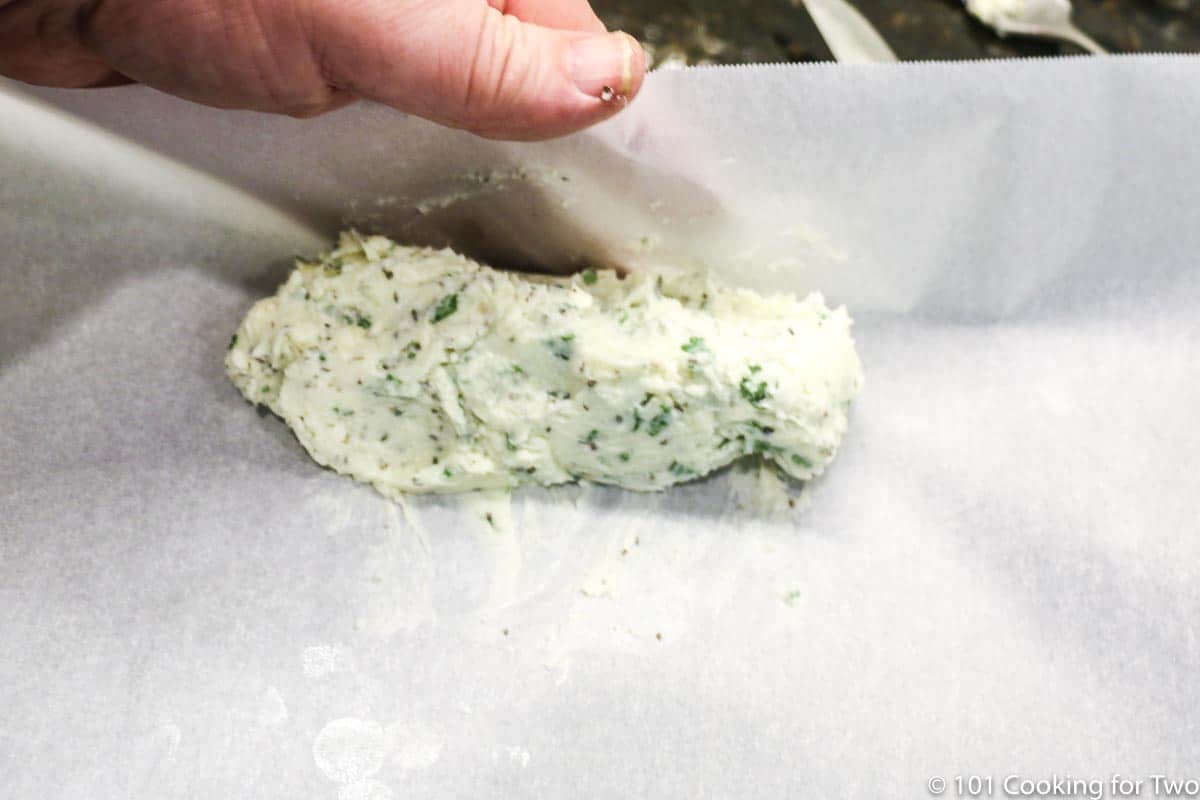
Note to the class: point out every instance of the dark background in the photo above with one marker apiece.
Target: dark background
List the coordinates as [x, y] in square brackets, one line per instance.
[749, 31]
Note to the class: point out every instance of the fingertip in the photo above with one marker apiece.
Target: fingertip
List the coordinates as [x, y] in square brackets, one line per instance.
[521, 81]
[635, 68]
[608, 66]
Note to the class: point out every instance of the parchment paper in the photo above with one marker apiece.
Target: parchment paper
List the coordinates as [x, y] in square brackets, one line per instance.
[998, 577]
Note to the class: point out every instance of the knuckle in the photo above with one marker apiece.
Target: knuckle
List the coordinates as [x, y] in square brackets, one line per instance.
[44, 44]
[307, 108]
[497, 73]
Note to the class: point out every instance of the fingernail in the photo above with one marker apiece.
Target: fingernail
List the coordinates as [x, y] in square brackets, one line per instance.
[602, 65]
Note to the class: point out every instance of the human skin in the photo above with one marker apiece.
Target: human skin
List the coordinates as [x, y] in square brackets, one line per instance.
[504, 69]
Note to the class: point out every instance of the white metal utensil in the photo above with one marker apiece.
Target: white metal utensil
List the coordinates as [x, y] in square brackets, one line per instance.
[1044, 18]
[850, 37]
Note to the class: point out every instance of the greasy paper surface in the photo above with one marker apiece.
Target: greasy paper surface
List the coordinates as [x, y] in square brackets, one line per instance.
[998, 576]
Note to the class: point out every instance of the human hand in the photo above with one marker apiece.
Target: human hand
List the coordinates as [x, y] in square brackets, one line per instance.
[505, 69]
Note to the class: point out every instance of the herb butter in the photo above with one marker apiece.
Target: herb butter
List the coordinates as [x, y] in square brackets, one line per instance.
[419, 370]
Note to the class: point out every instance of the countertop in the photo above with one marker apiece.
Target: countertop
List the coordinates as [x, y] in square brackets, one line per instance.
[749, 31]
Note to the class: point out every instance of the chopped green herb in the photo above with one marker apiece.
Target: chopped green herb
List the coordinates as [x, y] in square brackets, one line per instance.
[359, 320]
[446, 472]
[762, 447]
[518, 370]
[755, 368]
[591, 437]
[396, 412]
[321, 356]
[801, 460]
[233, 341]
[623, 456]
[569, 337]
[590, 276]
[659, 422]
[411, 349]
[758, 426]
[509, 443]
[561, 347]
[637, 419]
[693, 344]
[447, 306]
[750, 392]
[680, 470]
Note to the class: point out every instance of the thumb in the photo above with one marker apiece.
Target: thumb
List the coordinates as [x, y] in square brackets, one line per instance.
[465, 64]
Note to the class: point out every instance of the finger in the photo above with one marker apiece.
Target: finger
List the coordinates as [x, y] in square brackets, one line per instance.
[40, 43]
[463, 63]
[229, 54]
[567, 15]
[330, 101]
[108, 80]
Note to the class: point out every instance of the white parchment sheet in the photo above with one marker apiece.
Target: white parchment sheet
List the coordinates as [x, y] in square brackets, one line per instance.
[1000, 575]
